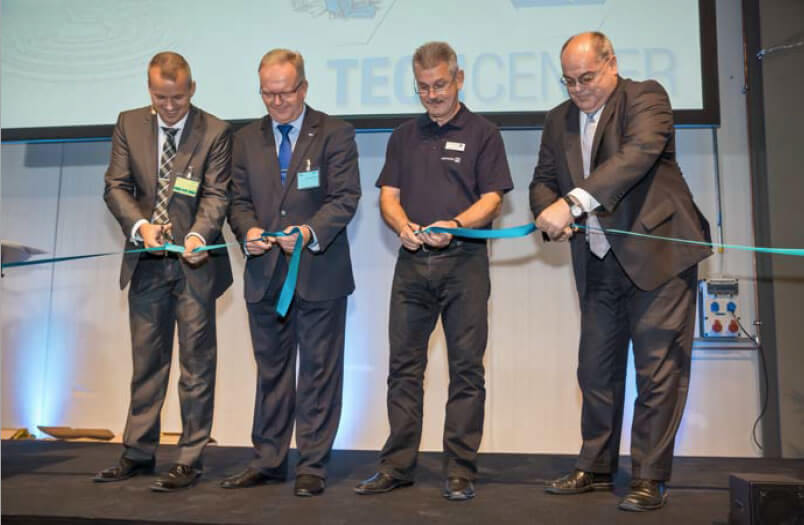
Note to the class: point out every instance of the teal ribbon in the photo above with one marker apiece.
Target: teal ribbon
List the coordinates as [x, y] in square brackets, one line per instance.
[285, 295]
[526, 229]
[502, 233]
[799, 252]
[289, 286]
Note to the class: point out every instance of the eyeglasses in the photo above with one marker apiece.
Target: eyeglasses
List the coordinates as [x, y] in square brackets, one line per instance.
[283, 95]
[439, 88]
[585, 80]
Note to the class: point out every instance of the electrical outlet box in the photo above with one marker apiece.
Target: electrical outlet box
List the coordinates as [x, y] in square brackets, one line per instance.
[717, 308]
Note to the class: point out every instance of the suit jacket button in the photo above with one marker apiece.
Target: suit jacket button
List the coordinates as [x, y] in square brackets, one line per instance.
[283, 212]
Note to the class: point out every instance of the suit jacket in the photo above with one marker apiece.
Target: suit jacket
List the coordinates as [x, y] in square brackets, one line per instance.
[260, 200]
[131, 184]
[634, 176]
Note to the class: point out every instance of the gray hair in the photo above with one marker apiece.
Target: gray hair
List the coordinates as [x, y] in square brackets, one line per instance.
[431, 54]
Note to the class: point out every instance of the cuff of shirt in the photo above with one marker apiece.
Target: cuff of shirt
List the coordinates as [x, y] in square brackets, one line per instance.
[135, 237]
[588, 203]
[313, 246]
[193, 234]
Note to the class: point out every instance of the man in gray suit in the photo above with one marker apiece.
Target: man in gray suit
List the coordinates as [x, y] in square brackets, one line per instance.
[296, 167]
[167, 181]
[607, 159]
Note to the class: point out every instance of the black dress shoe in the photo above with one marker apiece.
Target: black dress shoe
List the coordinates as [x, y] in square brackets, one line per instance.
[380, 483]
[645, 494]
[308, 485]
[178, 477]
[125, 469]
[578, 482]
[459, 489]
[249, 478]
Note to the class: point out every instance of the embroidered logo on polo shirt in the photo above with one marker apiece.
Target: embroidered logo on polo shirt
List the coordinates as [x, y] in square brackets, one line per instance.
[456, 160]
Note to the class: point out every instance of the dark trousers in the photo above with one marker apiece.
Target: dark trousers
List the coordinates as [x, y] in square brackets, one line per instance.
[159, 299]
[660, 324]
[317, 327]
[453, 282]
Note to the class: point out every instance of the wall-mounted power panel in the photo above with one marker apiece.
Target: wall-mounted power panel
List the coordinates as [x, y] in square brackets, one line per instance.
[717, 308]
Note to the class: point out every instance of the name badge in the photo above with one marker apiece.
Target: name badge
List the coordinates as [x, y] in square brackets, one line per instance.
[186, 186]
[455, 146]
[307, 179]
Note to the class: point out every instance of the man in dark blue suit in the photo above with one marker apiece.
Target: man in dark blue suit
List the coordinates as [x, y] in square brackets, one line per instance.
[296, 167]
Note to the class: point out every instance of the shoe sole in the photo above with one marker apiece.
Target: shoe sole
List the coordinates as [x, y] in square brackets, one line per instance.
[307, 493]
[270, 481]
[643, 508]
[462, 497]
[372, 492]
[98, 479]
[588, 488]
[165, 489]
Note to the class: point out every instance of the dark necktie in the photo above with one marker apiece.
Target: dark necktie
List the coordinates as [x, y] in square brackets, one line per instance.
[285, 151]
[160, 215]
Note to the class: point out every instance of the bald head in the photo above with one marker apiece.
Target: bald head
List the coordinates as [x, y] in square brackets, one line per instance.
[589, 70]
[593, 41]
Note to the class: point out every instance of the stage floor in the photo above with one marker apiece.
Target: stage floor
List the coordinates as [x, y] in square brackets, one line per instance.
[49, 482]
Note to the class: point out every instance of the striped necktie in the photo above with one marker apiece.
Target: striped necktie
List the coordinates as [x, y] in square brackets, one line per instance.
[160, 215]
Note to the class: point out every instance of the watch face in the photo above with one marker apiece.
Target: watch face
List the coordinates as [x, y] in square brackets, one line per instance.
[576, 211]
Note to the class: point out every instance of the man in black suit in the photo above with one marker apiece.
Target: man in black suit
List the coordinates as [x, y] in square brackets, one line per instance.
[168, 179]
[296, 167]
[607, 159]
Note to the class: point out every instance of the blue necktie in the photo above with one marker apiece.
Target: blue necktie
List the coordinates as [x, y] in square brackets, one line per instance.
[285, 151]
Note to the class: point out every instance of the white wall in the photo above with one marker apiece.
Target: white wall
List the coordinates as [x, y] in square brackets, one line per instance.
[65, 340]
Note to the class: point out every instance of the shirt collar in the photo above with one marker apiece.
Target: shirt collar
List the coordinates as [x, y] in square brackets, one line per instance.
[178, 125]
[456, 122]
[296, 123]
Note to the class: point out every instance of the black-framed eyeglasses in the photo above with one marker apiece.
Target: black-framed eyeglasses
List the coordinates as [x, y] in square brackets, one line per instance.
[283, 95]
[585, 80]
[439, 88]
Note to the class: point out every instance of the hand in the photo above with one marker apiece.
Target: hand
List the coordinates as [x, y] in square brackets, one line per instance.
[256, 244]
[438, 240]
[191, 242]
[288, 242]
[555, 220]
[566, 234]
[154, 235]
[410, 240]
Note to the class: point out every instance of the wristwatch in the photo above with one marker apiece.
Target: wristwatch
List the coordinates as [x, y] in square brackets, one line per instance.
[574, 206]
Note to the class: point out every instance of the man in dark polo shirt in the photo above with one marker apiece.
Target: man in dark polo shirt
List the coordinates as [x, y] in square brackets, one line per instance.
[445, 168]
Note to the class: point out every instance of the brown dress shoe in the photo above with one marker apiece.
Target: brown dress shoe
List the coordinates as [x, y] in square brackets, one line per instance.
[125, 469]
[249, 478]
[578, 482]
[459, 489]
[308, 485]
[178, 477]
[380, 483]
[645, 494]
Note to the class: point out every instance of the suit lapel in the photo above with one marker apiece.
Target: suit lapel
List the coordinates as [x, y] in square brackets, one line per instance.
[150, 137]
[308, 132]
[274, 182]
[572, 145]
[190, 136]
[603, 122]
